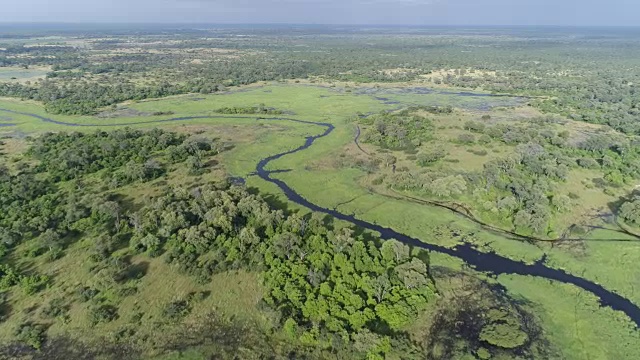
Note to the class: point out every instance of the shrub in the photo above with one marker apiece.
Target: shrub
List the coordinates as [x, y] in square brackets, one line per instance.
[8, 277]
[31, 334]
[483, 354]
[578, 230]
[503, 330]
[431, 157]
[484, 139]
[588, 163]
[176, 310]
[574, 196]
[102, 314]
[86, 293]
[160, 113]
[54, 254]
[55, 308]
[466, 139]
[474, 126]
[32, 284]
[198, 295]
[481, 152]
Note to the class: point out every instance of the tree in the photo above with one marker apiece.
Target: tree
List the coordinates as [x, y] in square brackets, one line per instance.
[452, 185]
[394, 251]
[108, 212]
[286, 244]
[413, 274]
[508, 204]
[502, 330]
[522, 219]
[151, 243]
[50, 239]
[380, 285]
[388, 159]
[247, 238]
[195, 164]
[630, 211]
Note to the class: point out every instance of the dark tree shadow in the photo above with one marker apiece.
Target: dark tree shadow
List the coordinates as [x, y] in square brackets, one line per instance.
[136, 271]
[273, 201]
[65, 348]
[462, 314]
[614, 206]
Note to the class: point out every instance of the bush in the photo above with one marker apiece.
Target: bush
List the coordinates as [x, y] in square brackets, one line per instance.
[484, 139]
[8, 277]
[588, 163]
[430, 158]
[481, 152]
[102, 314]
[474, 126]
[160, 113]
[176, 310]
[466, 139]
[629, 211]
[86, 293]
[31, 334]
[578, 230]
[54, 254]
[503, 330]
[198, 296]
[32, 284]
[127, 291]
[574, 196]
[483, 354]
[55, 308]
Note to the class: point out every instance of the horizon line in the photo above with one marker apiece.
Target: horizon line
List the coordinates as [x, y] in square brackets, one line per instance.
[172, 23]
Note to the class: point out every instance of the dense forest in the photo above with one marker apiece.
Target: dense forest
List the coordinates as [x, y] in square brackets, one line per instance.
[327, 287]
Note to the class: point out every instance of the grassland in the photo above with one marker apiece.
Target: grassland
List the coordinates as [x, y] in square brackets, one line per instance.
[327, 175]
[20, 74]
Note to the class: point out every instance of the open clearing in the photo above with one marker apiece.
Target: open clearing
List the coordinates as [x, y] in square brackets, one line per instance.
[20, 74]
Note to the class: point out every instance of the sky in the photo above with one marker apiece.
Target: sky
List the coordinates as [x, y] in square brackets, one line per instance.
[407, 12]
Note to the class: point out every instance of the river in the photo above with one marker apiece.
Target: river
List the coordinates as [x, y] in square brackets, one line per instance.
[486, 262]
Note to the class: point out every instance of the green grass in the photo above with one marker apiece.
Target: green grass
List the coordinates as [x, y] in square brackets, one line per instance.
[574, 321]
[21, 74]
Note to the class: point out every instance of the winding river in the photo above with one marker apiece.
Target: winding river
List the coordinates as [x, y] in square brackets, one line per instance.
[491, 263]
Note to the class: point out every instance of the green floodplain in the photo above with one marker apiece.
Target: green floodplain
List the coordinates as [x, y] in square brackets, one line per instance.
[354, 178]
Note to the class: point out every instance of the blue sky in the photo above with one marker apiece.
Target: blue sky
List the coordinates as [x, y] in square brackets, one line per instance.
[414, 12]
